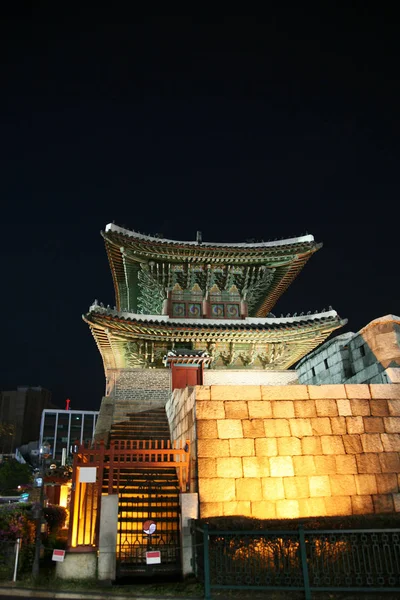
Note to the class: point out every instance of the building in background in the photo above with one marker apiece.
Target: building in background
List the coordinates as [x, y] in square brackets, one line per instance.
[370, 356]
[20, 415]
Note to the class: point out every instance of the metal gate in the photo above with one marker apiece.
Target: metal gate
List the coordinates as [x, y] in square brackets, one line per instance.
[148, 539]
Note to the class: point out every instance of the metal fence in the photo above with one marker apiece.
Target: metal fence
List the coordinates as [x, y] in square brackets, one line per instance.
[351, 560]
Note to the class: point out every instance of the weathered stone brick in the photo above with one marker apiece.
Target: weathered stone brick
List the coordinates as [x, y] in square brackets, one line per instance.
[296, 487]
[325, 465]
[319, 486]
[211, 509]
[236, 410]
[300, 427]
[352, 444]
[210, 410]
[392, 424]
[326, 391]
[357, 390]
[242, 508]
[203, 392]
[284, 392]
[368, 463]
[235, 392]
[394, 407]
[312, 507]
[338, 505]
[362, 505]
[311, 445]
[383, 504]
[255, 466]
[259, 409]
[360, 408]
[266, 447]
[238, 447]
[207, 429]
[385, 391]
[379, 408]
[281, 466]
[217, 490]
[229, 467]
[305, 408]
[390, 462]
[207, 467]
[371, 442]
[396, 502]
[391, 442]
[387, 483]
[304, 465]
[289, 446]
[212, 448]
[326, 408]
[272, 488]
[332, 444]
[248, 489]
[344, 408]
[276, 427]
[321, 426]
[253, 428]
[355, 425]
[287, 509]
[282, 409]
[230, 429]
[342, 485]
[373, 424]
[263, 510]
[346, 464]
[338, 425]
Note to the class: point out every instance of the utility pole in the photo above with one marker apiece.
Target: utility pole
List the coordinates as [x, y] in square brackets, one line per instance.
[44, 453]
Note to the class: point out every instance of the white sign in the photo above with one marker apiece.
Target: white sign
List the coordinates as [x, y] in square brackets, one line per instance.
[153, 557]
[87, 474]
[58, 555]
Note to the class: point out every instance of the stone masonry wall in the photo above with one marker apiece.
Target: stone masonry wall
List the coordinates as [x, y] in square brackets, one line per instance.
[248, 377]
[298, 450]
[180, 414]
[144, 385]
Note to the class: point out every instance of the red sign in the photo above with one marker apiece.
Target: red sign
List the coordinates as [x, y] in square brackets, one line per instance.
[153, 557]
[58, 555]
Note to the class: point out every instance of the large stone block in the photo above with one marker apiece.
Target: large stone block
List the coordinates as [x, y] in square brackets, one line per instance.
[281, 466]
[253, 428]
[332, 444]
[287, 509]
[248, 489]
[217, 490]
[368, 463]
[325, 465]
[230, 429]
[311, 445]
[383, 504]
[207, 467]
[326, 408]
[212, 448]
[391, 442]
[362, 505]
[319, 486]
[289, 446]
[357, 390]
[352, 444]
[342, 485]
[374, 425]
[263, 510]
[396, 501]
[236, 410]
[387, 483]
[259, 409]
[296, 487]
[360, 408]
[338, 425]
[272, 488]
[379, 408]
[326, 391]
[312, 507]
[207, 428]
[256, 466]
[338, 505]
[385, 391]
[300, 427]
[371, 442]
[211, 509]
[276, 428]
[344, 408]
[241, 447]
[392, 424]
[210, 410]
[229, 467]
[266, 447]
[242, 508]
[203, 392]
[321, 426]
[394, 406]
[346, 464]
[355, 425]
[284, 392]
[304, 465]
[390, 462]
[235, 392]
[282, 409]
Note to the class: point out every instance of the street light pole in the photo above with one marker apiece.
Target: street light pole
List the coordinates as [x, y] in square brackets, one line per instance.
[44, 452]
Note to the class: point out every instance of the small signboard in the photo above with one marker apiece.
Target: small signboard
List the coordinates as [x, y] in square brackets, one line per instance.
[58, 555]
[153, 557]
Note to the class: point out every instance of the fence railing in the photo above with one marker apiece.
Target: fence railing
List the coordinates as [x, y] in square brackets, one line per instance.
[356, 560]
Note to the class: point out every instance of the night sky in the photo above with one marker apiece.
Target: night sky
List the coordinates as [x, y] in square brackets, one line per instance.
[241, 127]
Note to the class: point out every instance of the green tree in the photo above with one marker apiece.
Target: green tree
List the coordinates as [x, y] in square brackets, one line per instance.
[13, 474]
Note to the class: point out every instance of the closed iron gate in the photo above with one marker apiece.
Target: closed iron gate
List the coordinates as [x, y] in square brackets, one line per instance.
[148, 539]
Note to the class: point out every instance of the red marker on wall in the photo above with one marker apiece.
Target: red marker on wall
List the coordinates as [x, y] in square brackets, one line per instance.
[67, 403]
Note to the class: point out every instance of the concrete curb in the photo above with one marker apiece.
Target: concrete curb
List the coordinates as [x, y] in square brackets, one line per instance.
[44, 593]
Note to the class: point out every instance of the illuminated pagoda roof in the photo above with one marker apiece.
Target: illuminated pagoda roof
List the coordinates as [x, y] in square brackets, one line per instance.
[143, 267]
[127, 339]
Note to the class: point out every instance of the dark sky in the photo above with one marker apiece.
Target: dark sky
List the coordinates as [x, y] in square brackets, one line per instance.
[241, 127]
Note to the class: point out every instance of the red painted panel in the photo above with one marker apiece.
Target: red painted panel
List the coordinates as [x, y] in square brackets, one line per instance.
[185, 376]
